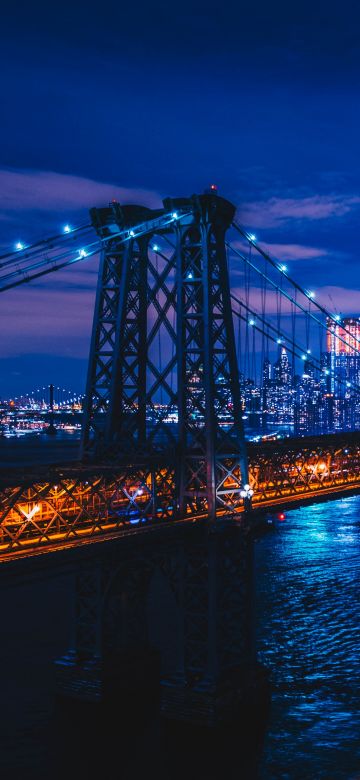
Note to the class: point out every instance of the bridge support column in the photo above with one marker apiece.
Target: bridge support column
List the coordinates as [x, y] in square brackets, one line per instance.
[168, 617]
[79, 672]
[222, 680]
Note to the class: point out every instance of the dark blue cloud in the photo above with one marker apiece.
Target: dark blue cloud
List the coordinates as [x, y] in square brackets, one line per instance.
[168, 97]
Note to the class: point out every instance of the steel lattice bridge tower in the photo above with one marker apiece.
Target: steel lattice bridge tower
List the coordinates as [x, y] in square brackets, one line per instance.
[163, 339]
[180, 300]
[163, 479]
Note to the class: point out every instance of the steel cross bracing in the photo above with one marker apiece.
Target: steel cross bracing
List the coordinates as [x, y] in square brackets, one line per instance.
[294, 467]
[76, 504]
[118, 394]
[214, 464]
[181, 297]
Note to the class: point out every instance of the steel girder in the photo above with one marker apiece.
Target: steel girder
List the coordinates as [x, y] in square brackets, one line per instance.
[306, 466]
[135, 304]
[74, 504]
[116, 379]
[218, 604]
[210, 577]
[175, 301]
[213, 465]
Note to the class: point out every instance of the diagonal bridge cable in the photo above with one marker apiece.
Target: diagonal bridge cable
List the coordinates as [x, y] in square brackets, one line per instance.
[293, 347]
[279, 267]
[293, 300]
[42, 245]
[45, 265]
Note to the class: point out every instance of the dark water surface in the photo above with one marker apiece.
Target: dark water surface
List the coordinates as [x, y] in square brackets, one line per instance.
[307, 612]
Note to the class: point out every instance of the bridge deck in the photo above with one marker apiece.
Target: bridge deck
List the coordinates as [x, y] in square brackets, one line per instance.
[49, 506]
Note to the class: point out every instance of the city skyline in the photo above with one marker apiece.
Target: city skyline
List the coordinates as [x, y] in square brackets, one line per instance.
[283, 401]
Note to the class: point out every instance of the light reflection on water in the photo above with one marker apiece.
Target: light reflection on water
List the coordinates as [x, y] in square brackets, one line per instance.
[308, 635]
[307, 573]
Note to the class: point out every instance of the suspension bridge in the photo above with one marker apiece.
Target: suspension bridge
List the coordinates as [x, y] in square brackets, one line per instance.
[189, 309]
[163, 432]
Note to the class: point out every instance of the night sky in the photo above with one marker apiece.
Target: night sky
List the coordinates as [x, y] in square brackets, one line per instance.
[144, 100]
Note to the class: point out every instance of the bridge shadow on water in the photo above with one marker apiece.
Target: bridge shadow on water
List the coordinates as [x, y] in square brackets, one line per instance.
[117, 742]
[45, 735]
[125, 735]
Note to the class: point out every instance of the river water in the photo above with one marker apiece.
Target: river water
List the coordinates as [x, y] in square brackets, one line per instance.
[307, 616]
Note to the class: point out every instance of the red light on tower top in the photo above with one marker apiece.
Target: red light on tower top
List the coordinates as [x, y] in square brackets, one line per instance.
[213, 187]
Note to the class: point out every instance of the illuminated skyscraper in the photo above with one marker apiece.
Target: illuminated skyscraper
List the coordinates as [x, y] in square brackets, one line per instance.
[343, 338]
[342, 346]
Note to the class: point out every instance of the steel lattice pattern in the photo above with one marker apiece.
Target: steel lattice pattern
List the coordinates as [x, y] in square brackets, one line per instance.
[305, 466]
[73, 506]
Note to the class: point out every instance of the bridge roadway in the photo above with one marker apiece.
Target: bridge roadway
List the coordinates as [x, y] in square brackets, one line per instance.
[44, 508]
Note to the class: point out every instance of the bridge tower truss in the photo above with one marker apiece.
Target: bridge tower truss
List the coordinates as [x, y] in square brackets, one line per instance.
[163, 381]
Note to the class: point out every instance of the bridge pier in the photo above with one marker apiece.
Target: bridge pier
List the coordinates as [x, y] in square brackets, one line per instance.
[167, 623]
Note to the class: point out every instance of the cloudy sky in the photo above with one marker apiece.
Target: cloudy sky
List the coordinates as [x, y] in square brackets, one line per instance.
[143, 100]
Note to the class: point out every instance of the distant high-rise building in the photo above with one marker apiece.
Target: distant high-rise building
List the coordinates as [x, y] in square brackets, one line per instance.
[342, 346]
[282, 369]
[343, 338]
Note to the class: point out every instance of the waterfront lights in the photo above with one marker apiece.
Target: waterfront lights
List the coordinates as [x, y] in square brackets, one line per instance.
[66, 229]
[82, 253]
[19, 246]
